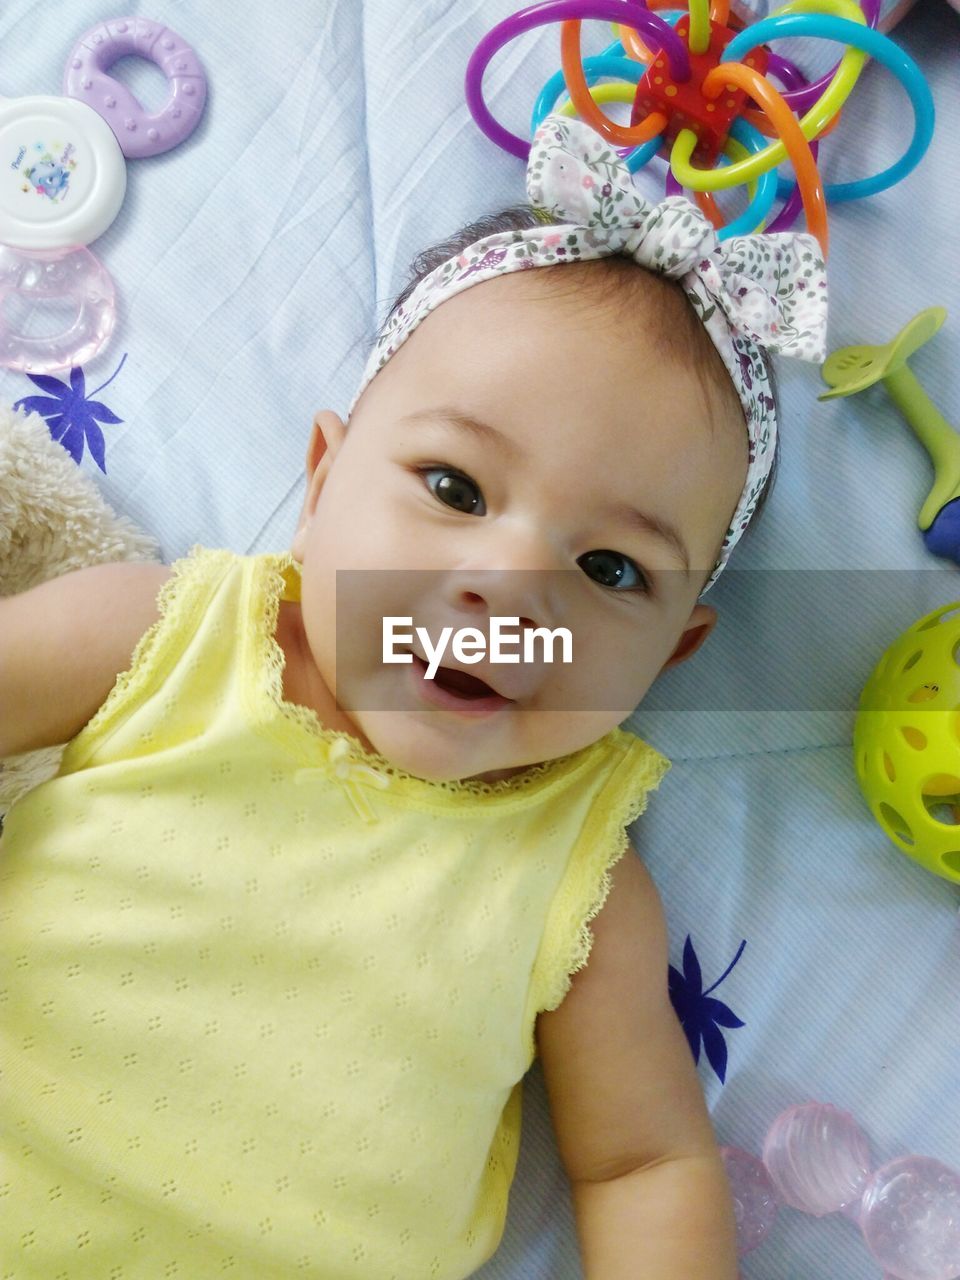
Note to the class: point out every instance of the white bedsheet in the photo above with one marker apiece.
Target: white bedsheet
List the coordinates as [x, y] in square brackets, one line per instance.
[252, 265]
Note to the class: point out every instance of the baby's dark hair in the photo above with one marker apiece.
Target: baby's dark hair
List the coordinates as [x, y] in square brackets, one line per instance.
[681, 335]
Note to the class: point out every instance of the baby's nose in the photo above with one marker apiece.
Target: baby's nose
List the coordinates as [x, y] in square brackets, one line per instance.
[530, 595]
[515, 574]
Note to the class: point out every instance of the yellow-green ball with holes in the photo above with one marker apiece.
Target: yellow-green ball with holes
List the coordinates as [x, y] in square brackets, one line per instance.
[906, 742]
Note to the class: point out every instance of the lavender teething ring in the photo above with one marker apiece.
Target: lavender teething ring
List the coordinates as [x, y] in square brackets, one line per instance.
[138, 133]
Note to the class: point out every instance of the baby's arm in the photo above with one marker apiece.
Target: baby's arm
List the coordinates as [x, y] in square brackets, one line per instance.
[62, 646]
[650, 1194]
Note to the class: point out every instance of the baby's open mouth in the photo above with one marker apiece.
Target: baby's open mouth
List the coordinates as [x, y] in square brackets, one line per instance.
[459, 683]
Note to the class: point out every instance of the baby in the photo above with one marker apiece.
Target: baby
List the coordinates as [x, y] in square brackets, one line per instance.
[284, 935]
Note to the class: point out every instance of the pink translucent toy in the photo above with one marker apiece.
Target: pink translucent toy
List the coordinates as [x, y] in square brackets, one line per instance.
[755, 1199]
[48, 282]
[910, 1215]
[817, 1159]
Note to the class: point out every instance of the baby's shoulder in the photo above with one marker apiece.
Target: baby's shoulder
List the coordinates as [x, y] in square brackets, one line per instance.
[628, 951]
[64, 643]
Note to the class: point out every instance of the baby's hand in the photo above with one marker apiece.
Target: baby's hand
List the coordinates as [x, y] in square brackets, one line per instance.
[62, 646]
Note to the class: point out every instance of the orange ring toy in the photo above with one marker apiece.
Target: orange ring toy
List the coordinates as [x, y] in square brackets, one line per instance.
[587, 109]
[708, 206]
[786, 124]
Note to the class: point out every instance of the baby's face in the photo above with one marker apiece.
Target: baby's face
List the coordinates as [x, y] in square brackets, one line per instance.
[590, 415]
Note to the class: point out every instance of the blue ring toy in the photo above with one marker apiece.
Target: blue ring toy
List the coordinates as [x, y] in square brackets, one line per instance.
[877, 46]
[759, 207]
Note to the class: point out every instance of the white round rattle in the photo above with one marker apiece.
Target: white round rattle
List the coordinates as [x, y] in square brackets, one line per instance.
[63, 176]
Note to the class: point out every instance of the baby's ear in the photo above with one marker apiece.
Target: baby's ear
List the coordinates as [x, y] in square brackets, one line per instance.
[701, 622]
[325, 440]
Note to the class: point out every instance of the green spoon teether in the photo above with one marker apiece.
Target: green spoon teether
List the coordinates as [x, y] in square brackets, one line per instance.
[853, 369]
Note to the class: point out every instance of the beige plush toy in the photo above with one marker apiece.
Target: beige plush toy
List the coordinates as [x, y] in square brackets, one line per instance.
[52, 521]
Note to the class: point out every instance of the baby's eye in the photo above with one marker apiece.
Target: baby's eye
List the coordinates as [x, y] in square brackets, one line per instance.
[611, 574]
[453, 489]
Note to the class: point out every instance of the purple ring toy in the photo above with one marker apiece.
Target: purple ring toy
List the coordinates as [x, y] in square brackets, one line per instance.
[138, 133]
[632, 13]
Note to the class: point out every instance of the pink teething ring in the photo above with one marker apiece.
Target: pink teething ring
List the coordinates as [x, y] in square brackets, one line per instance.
[29, 278]
[138, 133]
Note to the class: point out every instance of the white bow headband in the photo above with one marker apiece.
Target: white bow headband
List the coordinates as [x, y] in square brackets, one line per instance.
[752, 292]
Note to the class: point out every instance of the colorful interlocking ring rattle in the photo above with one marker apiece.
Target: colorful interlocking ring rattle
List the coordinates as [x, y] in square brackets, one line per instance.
[695, 82]
[63, 177]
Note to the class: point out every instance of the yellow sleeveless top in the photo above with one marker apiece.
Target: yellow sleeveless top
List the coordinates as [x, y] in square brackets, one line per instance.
[266, 1001]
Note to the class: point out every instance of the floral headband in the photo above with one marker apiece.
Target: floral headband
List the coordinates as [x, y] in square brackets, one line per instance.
[751, 293]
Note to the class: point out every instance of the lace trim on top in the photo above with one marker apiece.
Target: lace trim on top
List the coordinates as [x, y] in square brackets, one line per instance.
[585, 888]
[182, 596]
[270, 577]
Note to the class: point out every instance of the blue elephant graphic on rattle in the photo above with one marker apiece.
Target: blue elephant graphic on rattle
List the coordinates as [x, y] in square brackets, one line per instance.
[49, 178]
